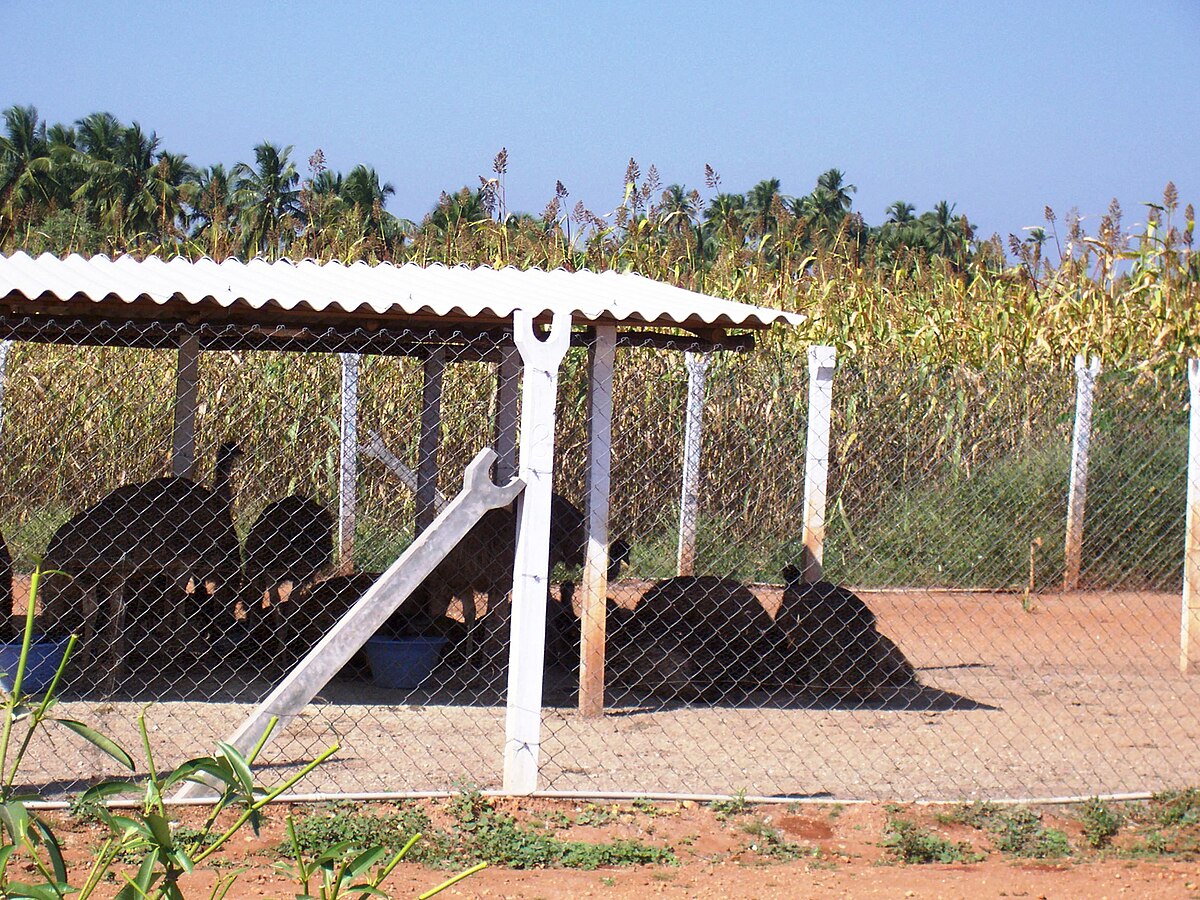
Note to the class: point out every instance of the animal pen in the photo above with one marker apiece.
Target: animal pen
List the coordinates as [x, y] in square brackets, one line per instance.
[587, 534]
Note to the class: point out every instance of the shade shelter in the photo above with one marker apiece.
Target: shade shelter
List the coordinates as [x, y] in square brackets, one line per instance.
[516, 320]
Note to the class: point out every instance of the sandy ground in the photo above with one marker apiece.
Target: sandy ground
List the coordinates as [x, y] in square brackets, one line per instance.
[1079, 696]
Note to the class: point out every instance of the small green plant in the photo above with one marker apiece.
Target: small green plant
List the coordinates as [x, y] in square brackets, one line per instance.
[769, 842]
[1019, 832]
[734, 806]
[598, 815]
[908, 842]
[1100, 823]
[1176, 807]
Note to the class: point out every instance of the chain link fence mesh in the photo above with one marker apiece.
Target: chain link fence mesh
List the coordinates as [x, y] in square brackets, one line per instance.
[940, 658]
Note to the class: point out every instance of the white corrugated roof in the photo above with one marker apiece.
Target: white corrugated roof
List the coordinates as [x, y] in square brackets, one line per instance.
[409, 290]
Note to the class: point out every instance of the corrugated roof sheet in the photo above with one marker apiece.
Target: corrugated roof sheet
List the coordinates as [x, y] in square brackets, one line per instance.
[389, 291]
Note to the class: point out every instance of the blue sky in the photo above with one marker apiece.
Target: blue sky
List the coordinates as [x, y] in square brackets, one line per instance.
[1001, 108]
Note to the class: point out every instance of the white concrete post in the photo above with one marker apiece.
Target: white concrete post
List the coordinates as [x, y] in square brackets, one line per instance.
[594, 598]
[531, 568]
[693, 438]
[5, 346]
[1085, 387]
[431, 436]
[1188, 651]
[374, 608]
[348, 468]
[508, 379]
[187, 381]
[821, 363]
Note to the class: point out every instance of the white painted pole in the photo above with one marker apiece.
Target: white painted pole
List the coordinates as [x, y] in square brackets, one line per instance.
[348, 469]
[594, 598]
[821, 363]
[531, 568]
[1189, 652]
[5, 346]
[508, 379]
[374, 608]
[693, 438]
[430, 438]
[1081, 440]
[187, 381]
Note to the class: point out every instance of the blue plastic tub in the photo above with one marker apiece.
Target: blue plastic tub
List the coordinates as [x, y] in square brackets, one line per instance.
[43, 661]
[403, 662]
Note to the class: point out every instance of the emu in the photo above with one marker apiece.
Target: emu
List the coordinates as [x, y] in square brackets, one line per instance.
[834, 632]
[168, 528]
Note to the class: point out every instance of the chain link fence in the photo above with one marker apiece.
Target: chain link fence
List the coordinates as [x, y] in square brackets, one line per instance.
[940, 657]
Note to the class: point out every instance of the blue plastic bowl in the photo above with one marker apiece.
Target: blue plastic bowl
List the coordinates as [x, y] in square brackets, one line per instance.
[403, 662]
[43, 661]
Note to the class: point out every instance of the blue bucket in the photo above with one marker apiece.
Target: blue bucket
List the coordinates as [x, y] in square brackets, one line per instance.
[403, 662]
[41, 664]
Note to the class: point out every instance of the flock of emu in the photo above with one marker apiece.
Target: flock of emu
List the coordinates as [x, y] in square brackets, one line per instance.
[158, 566]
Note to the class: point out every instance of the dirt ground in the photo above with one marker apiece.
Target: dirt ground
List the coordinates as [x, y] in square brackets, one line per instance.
[1077, 695]
[813, 850]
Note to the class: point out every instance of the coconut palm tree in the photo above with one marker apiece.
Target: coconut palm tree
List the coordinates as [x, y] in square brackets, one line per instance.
[24, 154]
[759, 202]
[901, 213]
[213, 217]
[268, 199]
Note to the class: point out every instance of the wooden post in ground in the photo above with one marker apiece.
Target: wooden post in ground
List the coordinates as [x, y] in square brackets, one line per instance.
[430, 438]
[5, 346]
[1189, 651]
[1081, 440]
[508, 379]
[531, 567]
[593, 611]
[693, 439]
[821, 364]
[348, 463]
[187, 383]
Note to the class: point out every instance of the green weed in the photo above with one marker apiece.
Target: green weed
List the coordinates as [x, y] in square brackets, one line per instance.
[908, 842]
[1100, 823]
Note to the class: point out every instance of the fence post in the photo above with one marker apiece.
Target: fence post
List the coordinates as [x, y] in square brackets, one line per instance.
[693, 437]
[1085, 387]
[821, 363]
[531, 566]
[1191, 557]
[507, 380]
[593, 602]
[187, 382]
[4, 348]
[431, 436]
[348, 470]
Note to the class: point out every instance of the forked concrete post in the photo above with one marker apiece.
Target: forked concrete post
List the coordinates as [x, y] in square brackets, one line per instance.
[348, 463]
[531, 568]
[374, 608]
[187, 384]
[1189, 651]
[693, 439]
[821, 363]
[593, 609]
[1081, 441]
